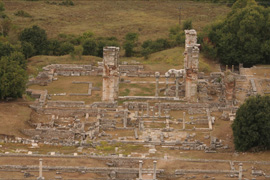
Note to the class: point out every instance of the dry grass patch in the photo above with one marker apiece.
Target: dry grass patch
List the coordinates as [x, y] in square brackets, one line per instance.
[13, 117]
[113, 18]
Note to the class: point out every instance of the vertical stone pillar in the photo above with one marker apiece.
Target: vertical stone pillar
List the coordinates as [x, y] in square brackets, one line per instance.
[177, 85]
[157, 75]
[232, 68]
[226, 68]
[191, 65]
[40, 177]
[147, 109]
[159, 110]
[125, 118]
[184, 118]
[240, 171]
[167, 75]
[110, 73]
[140, 169]
[155, 170]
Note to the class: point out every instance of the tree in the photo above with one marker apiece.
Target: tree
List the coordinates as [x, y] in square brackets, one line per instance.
[27, 49]
[243, 37]
[53, 47]
[251, 127]
[12, 78]
[130, 43]
[37, 37]
[65, 48]
[19, 58]
[6, 49]
[90, 47]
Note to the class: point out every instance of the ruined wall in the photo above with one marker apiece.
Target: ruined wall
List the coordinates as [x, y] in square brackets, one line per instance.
[110, 73]
[191, 65]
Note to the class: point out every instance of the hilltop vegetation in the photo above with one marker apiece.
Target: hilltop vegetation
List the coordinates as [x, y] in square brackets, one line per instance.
[242, 37]
[149, 19]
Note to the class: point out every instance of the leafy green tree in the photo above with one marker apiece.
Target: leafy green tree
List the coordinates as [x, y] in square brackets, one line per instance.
[131, 40]
[27, 49]
[12, 78]
[53, 47]
[66, 48]
[90, 47]
[37, 37]
[243, 37]
[19, 58]
[6, 49]
[251, 127]
[78, 50]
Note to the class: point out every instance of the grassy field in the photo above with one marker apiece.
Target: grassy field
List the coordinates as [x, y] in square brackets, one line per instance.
[151, 19]
[13, 117]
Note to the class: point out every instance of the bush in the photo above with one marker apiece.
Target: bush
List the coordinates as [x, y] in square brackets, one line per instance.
[150, 46]
[90, 47]
[176, 36]
[27, 49]
[66, 48]
[67, 3]
[131, 40]
[22, 13]
[187, 24]
[251, 127]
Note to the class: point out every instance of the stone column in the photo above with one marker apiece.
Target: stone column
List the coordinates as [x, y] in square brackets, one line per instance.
[167, 75]
[232, 68]
[110, 73]
[147, 109]
[157, 75]
[155, 170]
[240, 171]
[226, 68]
[159, 109]
[125, 118]
[40, 177]
[86, 116]
[184, 116]
[140, 169]
[177, 85]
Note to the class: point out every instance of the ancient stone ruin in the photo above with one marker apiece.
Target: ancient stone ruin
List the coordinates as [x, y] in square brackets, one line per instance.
[185, 104]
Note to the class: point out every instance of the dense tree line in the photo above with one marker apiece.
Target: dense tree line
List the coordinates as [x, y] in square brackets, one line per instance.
[243, 37]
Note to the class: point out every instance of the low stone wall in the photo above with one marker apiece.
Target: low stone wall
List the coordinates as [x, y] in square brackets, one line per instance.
[66, 104]
[186, 106]
[135, 105]
[104, 105]
[67, 112]
[49, 134]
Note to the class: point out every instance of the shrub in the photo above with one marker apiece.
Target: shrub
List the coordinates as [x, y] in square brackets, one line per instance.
[22, 13]
[187, 24]
[66, 48]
